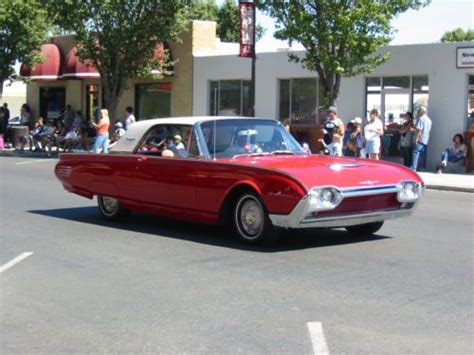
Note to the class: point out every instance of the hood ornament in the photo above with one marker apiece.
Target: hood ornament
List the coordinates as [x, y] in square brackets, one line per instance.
[341, 166]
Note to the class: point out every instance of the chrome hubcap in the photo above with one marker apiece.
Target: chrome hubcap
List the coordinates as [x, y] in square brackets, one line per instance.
[251, 217]
[109, 204]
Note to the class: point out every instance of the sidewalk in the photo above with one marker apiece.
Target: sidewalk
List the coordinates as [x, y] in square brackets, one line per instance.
[448, 182]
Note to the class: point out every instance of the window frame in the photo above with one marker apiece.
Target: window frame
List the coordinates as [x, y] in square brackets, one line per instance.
[290, 93]
[217, 98]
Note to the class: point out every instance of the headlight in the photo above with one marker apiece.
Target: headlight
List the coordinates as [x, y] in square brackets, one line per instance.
[410, 192]
[323, 199]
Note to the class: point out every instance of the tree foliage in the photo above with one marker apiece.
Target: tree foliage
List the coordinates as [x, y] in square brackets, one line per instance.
[23, 29]
[226, 16]
[458, 35]
[341, 37]
[120, 37]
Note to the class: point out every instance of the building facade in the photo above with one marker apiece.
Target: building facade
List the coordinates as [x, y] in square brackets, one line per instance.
[64, 80]
[424, 74]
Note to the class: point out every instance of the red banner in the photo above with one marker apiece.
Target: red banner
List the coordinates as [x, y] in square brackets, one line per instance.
[247, 29]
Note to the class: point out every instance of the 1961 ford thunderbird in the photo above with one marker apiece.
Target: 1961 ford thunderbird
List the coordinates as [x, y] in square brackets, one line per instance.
[248, 172]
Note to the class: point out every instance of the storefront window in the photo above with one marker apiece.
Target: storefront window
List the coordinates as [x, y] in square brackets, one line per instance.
[153, 100]
[52, 102]
[394, 95]
[298, 98]
[470, 101]
[229, 98]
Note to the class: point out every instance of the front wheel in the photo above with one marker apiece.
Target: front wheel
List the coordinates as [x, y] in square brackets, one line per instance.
[251, 221]
[110, 208]
[368, 228]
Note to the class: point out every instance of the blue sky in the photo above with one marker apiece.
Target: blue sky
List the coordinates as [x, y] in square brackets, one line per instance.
[423, 26]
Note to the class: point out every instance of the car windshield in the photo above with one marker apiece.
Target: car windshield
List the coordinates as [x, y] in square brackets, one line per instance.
[244, 137]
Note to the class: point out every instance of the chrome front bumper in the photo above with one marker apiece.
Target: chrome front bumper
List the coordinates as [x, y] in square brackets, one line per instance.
[300, 217]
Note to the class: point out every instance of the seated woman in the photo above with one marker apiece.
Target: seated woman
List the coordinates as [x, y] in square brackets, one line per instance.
[454, 156]
[33, 136]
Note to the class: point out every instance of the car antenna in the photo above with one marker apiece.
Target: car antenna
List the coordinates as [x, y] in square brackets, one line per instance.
[214, 140]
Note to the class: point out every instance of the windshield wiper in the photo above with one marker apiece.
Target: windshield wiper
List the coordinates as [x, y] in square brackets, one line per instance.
[250, 155]
[277, 152]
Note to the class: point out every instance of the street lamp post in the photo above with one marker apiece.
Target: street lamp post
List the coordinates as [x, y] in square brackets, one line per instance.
[247, 12]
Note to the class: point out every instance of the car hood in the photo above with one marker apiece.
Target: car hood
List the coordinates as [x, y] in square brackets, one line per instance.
[317, 170]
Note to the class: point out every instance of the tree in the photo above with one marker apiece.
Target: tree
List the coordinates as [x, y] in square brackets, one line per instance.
[226, 16]
[120, 37]
[23, 29]
[340, 36]
[458, 35]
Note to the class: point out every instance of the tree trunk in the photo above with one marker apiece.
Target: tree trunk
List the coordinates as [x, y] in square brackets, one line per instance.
[1, 89]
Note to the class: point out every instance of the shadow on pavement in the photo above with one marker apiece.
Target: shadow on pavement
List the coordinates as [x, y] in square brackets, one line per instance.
[212, 235]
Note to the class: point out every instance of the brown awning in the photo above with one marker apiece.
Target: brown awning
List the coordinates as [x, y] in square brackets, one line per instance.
[74, 68]
[51, 67]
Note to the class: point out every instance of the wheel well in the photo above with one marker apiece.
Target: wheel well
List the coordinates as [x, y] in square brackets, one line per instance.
[230, 200]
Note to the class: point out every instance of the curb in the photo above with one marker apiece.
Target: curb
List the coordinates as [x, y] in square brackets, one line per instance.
[450, 188]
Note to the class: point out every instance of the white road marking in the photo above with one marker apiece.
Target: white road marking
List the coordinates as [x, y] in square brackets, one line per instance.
[34, 161]
[320, 347]
[15, 261]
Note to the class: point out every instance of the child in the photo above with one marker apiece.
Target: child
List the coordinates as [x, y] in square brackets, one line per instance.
[335, 147]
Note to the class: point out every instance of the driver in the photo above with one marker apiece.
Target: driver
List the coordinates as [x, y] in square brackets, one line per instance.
[245, 142]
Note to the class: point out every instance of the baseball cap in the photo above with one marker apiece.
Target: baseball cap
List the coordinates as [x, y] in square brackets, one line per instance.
[357, 120]
[119, 124]
[332, 109]
[177, 137]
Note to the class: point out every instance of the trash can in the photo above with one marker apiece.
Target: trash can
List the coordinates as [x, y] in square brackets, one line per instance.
[17, 132]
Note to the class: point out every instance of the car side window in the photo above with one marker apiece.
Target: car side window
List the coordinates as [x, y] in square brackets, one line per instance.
[170, 141]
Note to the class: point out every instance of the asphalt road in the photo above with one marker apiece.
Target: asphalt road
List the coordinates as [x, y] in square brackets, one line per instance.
[158, 286]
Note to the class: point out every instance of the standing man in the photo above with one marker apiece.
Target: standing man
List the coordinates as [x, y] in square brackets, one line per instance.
[423, 129]
[130, 118]
[102, 130]
[6, 117]
[68, 118]
[373, 131]
[333, 125]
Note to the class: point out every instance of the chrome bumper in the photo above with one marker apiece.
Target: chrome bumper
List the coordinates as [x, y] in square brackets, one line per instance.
[300, 218]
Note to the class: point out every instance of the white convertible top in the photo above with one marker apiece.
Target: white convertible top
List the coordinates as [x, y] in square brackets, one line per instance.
[135, 132]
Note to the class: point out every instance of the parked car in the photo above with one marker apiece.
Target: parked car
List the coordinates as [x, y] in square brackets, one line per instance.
[247, 172]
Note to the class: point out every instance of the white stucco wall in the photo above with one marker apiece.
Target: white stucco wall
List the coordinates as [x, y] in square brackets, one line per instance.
[447, 84]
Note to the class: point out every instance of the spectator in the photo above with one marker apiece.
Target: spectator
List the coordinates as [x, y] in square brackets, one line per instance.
[130, 118]
[46, 135]
[87, 134]
[455, 154]
[102, 130]
[34, 136]
[77, 122]
[68, 118]
[118, 132]
[407, 138]
[25, 115]
[372, 132]
[333, 125]
[57, 138]
[6, 118]
[348, 142]
[423, 129]
[358, 136]
[71, 139]
[335, 147]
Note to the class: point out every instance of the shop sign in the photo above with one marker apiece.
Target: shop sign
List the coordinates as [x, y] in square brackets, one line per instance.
[247, 29]
[465, 57]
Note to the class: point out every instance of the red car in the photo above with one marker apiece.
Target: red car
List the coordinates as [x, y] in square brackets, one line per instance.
[248, 172]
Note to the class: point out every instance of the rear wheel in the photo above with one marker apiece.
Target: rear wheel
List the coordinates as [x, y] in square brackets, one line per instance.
[110, 208]
[251, 222]
[368, 228]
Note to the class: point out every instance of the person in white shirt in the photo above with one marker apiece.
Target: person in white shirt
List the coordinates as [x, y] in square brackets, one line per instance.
[372, 132]
[335, 147]
[423, 128]
[130, 118]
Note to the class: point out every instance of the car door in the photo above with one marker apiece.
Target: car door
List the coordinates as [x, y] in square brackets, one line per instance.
[166, 184]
